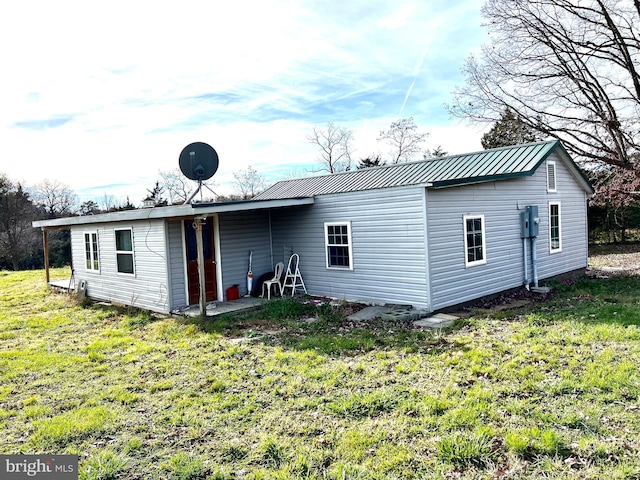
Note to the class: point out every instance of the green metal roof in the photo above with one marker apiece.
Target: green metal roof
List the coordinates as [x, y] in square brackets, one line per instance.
[485, 166]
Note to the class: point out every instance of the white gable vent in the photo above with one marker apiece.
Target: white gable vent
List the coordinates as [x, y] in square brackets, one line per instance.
[551, 176]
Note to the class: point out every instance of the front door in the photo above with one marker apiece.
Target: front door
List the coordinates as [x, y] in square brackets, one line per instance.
[211, 285]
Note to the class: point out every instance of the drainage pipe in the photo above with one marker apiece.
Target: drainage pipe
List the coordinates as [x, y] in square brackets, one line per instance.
[526, 267]
[534, 262]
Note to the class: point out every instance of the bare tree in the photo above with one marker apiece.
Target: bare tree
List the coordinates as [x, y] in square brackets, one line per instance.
[567, 69]
[107, 202]
[405, 140]
[179, 187]
[176, 185]
[17, 237]
[335, 147]
[248, 182]
[55, 197]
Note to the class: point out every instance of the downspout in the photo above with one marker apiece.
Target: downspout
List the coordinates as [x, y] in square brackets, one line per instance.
[526, 267]
[534, 261]
[524, 234]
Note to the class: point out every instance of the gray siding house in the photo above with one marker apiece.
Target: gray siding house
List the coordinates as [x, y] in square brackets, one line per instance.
[432, 234]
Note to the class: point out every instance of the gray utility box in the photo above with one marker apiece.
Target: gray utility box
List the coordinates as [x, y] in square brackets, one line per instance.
[529, 222]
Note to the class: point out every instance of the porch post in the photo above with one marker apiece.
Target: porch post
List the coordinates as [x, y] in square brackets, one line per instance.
[45, 241]
[197, 224]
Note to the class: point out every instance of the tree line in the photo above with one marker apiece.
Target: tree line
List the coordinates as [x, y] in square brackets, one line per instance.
[21, 245]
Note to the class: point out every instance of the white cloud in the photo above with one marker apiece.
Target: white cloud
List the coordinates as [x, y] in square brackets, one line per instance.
[107, 94]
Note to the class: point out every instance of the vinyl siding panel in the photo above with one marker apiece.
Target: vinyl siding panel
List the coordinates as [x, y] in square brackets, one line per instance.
[501, 202]
[573, 228]
[241, 232]
[388, 242]
[177, 272]
[149, 287]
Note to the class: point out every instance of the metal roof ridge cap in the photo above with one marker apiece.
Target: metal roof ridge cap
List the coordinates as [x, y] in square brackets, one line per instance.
[544, 154]
[506, 147]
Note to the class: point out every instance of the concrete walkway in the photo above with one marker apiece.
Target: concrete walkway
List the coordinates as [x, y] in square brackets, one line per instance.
[65, 285]
[439, 320]
[403, 313]
[218, 308]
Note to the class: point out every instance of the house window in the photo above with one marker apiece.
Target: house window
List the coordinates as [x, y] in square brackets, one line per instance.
[124, 251]
[338, 245]
[91, 251]
[555, 239]
[551, 176]
[474, 240]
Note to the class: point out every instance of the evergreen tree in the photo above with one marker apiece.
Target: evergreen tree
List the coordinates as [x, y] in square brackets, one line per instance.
[509, 130]
[90, 207]
[438, 152]
[155, 194]
[373, 160]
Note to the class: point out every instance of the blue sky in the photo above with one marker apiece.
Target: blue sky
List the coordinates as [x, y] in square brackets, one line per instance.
[102, 96]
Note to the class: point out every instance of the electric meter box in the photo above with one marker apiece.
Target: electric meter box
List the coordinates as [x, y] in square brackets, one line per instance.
[524, 224]
[529, 222]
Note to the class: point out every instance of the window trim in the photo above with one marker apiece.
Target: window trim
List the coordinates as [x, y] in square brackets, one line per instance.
[349, 245]
[559, 249]
[483, 261]
[124, 252]
[550, 189]
[94, 250]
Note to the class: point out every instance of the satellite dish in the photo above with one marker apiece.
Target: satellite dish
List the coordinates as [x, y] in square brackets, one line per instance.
[198, 161]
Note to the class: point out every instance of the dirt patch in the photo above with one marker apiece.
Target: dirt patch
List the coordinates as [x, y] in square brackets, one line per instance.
[604, 261]
[512, 300]
[615, 258]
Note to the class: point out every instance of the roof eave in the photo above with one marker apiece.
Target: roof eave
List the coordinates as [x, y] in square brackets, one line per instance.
[576, 171]
[171, 212]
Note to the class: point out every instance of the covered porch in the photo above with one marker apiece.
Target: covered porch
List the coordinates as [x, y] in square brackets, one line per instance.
[173, 253]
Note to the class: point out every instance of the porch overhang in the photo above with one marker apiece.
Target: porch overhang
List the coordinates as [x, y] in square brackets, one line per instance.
[175, 211]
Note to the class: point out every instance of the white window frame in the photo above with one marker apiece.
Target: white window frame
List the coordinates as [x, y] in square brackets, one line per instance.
[327, 245]
[467, 263]
[551, 165]
[124, 252]
[559, 248]
[94, 250]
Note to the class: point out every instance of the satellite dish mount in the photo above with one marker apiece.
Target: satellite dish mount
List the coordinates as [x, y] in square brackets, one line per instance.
[198, 161]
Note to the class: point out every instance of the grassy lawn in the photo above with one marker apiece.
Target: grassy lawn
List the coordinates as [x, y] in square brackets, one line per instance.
[546, 392]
